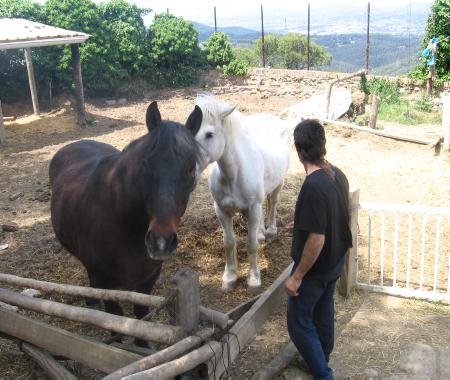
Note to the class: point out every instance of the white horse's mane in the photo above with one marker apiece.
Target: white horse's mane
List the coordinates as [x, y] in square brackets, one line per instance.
[213, 107]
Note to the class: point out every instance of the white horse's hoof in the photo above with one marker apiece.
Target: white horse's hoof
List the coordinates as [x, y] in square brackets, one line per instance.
[254, 282]
[260, 237]
[228, 285]
[271, 233]
[229, 280]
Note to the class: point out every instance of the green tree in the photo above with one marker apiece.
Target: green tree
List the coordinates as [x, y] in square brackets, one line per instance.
[125, 24]
[290, 51]
[271, 45]
[218, 49]
[100, 58]
[438, 25]
[174, 51]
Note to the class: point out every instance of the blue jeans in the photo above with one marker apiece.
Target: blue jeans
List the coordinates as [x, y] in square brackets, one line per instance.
[310, 320]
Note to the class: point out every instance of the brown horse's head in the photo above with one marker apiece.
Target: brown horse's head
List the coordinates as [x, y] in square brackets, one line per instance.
[167, 177]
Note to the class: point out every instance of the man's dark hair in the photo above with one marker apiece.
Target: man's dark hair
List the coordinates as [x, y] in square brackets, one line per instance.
[309, 140]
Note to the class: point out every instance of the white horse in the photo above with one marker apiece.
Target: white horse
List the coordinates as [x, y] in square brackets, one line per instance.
[251, 158]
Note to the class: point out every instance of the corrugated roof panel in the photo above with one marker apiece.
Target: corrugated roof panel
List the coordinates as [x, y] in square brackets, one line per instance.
[16, 33]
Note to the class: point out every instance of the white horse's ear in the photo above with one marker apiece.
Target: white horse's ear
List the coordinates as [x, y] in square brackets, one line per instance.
[227, 111]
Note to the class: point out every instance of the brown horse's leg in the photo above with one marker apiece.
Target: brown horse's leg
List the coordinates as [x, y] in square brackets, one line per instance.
[141, 311]
[98, 280]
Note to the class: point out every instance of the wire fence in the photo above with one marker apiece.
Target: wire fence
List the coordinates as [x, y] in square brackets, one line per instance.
[383, 39]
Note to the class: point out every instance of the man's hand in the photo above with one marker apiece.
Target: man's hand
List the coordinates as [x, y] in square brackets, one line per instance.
[291, 285]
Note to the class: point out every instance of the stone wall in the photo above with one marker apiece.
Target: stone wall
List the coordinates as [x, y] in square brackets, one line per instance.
[300, 83]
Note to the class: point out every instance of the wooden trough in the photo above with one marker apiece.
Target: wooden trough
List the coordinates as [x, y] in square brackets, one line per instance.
[189, 347]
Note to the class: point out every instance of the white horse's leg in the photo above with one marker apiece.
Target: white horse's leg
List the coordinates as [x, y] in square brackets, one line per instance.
[261, 234]
[254, 220]
[271, 231]
[230, 275]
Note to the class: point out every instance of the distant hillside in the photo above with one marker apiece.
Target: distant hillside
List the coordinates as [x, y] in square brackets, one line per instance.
[389, 54]
[237, 34]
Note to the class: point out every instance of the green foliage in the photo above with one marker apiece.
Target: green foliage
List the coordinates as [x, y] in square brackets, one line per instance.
[389, 92]
[174, 51]
[236, 67]
[290, 51]
[220, 54]
[406, 112]
[424, 104]
[437, 26]
[218, 50]
[249, 56]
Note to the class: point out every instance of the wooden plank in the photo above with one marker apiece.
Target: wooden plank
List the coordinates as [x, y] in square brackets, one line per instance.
[206, 314]
[374, 111]
[278, 363]
[2, 126]
[60, 342]
[166, 355]
[31, 80]
[128, 326]
[241, 309]
[47, 363]
[377, 132]
[348, 278]
[446, 121]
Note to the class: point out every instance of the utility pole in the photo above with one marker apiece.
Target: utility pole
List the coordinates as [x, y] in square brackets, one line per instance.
[309, 24]
[368, 38]
[262, 38]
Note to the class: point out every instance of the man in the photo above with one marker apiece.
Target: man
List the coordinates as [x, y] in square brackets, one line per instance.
[321, 237]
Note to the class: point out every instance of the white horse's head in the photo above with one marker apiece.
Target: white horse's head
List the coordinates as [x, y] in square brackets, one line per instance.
[213, 132]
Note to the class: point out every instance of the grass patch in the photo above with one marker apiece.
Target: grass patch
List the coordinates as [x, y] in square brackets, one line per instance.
[407, 112]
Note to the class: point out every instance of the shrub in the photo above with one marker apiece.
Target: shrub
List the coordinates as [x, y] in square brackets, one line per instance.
[236, 67]
[174, 51]
[388, 92]
[218, 50]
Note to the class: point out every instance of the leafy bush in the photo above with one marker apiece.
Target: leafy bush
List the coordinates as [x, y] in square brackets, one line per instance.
[174, 51]
[290, 51]
[236, 67]
[218, 50]
[424, 104]
[388, 92]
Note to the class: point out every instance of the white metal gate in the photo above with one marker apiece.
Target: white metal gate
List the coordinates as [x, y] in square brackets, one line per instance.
[404, 250]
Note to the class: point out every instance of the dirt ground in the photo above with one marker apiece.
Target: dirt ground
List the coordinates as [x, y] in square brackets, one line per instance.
[384, 170]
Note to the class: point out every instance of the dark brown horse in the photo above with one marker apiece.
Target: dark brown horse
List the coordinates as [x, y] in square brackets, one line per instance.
[118, 212]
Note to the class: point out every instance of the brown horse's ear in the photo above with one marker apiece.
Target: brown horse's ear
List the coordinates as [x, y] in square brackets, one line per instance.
[194, 120]
[153, 117]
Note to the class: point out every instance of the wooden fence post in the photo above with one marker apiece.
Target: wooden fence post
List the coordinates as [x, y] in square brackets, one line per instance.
[446, 121]
[187, 301]
[31, 80]
[2, 126]
[374, 111]
[348, 277]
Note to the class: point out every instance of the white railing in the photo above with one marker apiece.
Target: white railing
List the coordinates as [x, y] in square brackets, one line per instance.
[404, 250]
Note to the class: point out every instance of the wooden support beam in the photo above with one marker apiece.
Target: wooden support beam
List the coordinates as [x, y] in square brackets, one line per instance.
[47, 362]
[278, 363]
[377, 132]
[446, 121]
[206, 314]
[374, 111]
[2, 126]
[60, 342]
[239, 336]
[128, 326]
[187, 300]
[166, 355]
[78, 81]
[31, 80]
[348, 278]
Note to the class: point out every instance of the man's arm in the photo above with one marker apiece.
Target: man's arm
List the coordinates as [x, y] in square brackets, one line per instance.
[311, 251]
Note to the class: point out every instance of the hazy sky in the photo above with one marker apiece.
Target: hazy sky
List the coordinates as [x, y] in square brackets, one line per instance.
[229, 9]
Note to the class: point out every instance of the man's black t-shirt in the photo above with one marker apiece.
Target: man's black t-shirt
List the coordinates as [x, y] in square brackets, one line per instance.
[322, 208]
